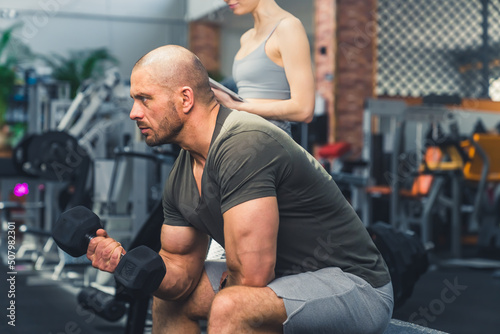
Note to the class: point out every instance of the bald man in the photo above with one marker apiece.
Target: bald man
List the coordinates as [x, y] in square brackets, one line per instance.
[298, 259]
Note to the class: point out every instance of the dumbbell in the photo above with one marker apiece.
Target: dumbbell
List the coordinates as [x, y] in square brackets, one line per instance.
[140, 271]
[101, 303]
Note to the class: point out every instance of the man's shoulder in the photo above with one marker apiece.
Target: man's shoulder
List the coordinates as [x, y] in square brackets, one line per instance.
[238, 116]
[244, 122]
[245, 130]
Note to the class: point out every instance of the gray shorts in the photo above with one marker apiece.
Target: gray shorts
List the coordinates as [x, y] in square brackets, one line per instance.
[326, 301]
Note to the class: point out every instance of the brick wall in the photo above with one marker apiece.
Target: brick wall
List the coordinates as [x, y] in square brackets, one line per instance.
[204, 41]
[355, 81]
[325, 49]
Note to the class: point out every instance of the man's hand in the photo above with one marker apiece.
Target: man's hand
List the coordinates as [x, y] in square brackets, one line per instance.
[104, 251]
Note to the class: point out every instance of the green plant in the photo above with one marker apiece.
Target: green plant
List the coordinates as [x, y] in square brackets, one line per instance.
[80, 65]
[13, 54]
[7, 72]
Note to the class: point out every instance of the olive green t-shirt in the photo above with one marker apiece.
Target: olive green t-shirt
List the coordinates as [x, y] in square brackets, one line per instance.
[251, 158]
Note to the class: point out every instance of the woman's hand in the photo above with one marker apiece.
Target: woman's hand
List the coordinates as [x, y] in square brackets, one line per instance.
[225, 99]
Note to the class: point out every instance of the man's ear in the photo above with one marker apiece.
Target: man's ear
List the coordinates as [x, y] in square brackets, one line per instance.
[187, 99]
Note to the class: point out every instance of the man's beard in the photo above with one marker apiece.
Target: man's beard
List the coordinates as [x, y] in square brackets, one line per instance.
[170, 126]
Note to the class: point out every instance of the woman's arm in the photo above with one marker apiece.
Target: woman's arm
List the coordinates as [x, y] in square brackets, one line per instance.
[291, 48]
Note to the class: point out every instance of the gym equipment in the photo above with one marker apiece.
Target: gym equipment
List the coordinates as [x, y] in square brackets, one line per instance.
[139, 272]
[75, 121]
[101, 303]
[482, 168]
[469, 166]
[52, 155]
[455, 178]
[333, 158]
[55, 155]
[404, 255]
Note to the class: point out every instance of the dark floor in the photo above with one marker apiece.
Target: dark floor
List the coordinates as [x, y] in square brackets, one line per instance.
[44, 306]
[455, 300]
[452, 299]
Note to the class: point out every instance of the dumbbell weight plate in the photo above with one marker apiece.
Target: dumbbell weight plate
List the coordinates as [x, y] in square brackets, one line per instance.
[74, 228]
[20, 155]
[101, 303]
[55, 155]
[140, 271]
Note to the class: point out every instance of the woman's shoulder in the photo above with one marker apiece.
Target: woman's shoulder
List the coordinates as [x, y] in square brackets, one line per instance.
[289, 23]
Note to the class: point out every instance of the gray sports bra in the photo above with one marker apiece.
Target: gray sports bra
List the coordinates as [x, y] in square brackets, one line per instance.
[258, 77]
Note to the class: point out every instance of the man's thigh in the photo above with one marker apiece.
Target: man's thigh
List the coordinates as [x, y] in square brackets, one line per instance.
[325, 301]
[331, 301]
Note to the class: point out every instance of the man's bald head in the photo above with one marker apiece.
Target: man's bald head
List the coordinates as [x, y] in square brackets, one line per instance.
[173, 66]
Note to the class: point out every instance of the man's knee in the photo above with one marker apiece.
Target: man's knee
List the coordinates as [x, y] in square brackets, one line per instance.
[225, 305]
[244, 309]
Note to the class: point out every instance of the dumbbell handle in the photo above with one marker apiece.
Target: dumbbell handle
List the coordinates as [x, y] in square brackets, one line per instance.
[89, 236]
[92, 236]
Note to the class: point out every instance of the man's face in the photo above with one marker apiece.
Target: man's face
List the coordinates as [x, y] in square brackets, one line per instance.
[154, 109]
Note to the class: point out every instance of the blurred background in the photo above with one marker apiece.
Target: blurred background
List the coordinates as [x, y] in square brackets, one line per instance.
[407, 121]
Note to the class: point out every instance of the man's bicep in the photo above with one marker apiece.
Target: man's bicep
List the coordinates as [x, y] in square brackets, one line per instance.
[183, 241]
[250, 233]
[183, 252]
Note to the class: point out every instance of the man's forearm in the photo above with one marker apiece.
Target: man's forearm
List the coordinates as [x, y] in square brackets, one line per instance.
[178, 283]
[255, 277]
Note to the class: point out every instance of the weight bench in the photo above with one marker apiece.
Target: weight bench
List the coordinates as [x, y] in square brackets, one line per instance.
[400, 327]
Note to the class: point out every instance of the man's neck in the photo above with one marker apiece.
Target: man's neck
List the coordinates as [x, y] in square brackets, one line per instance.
[199, 132]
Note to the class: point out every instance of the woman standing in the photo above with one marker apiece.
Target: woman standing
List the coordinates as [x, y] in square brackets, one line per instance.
[272, 68]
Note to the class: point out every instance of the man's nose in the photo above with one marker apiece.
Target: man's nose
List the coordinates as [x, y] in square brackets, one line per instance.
[135, 112]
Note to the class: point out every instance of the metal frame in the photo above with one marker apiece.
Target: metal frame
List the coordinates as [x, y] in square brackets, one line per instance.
[398, 114]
